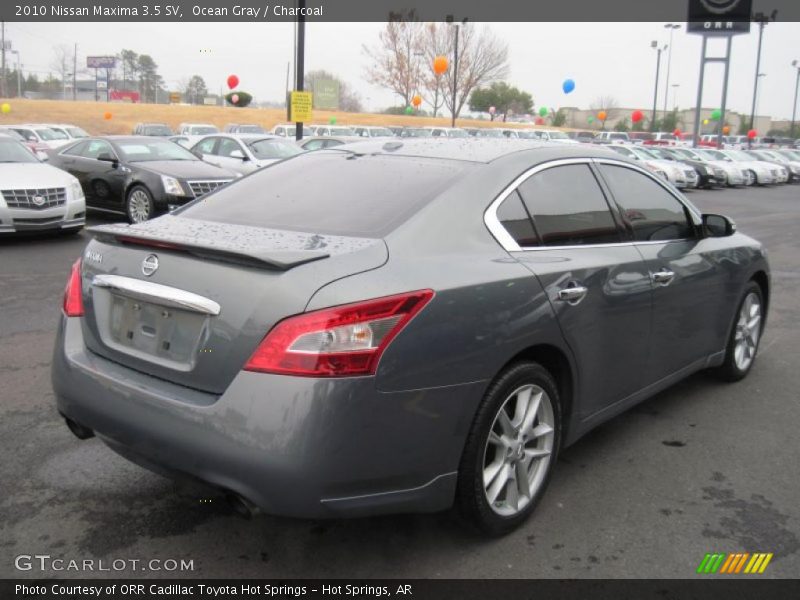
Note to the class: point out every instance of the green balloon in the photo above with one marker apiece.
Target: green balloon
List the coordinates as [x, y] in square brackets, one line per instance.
[409, 110]
[332, 120]
[590, 119]
[716, 114]
[543, 111]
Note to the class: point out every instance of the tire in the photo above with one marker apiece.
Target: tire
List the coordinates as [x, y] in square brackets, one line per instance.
[139, 206]
[752, 179]
[740, 354]
[509, 454]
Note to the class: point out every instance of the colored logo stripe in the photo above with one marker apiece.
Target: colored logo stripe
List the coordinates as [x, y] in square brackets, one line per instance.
[734, 563]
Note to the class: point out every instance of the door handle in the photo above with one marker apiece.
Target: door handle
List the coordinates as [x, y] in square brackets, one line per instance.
[573, 294]
[663, 277]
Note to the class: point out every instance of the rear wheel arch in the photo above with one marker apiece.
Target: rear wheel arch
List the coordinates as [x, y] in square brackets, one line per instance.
[556, 362]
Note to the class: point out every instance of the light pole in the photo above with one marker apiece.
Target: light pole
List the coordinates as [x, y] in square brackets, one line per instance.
[449, 19]
[19, 81]
[796, 65]
[762, 21]
[659, 49]
[671, 27]
[675, 87]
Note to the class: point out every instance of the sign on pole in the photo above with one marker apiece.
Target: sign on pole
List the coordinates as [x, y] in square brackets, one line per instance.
[719, 17]
[326, 94]
[101, 62]
[174, 97]
[300, 104]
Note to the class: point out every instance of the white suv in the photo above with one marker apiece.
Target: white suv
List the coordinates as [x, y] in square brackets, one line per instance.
[35, 196]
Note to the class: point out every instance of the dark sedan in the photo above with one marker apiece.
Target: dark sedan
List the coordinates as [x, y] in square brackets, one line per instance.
[400, 326]
[138, 176]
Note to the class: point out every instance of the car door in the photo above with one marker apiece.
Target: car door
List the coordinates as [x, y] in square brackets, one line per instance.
[230, 154]
[104, 177]
[598, 285]
[686, 269]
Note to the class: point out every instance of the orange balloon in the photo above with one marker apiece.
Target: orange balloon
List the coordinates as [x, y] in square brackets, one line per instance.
[726, 130]
[602, 115]
[440, 64]
[416, 100]
[107, 116]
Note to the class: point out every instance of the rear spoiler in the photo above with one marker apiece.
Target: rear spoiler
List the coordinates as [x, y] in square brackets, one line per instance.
[224, 251]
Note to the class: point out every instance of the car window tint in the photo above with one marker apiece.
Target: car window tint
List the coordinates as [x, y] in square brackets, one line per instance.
[95, 148]
[649, 211]
[314, 145]
[227, 146]
[331, 191]
[516, 221]
[568, 207]
[77, 149]
[206, 146]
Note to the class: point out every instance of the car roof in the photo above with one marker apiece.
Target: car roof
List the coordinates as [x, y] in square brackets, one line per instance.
[483, 150]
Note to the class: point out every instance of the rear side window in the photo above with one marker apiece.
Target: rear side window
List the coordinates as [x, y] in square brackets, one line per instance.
[568, 207]
[331, 191]
[649, 211]
[516, 221]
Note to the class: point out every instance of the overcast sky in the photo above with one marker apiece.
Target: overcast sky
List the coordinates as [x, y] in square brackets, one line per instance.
[603, 58]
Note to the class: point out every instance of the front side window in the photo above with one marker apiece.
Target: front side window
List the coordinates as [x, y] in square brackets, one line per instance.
[205, 146]
[568, 207]
[228, 146]
[648, 210]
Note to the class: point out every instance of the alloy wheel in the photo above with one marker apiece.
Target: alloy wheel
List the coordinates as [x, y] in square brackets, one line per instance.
[748, 331]
[518, 450]
[139, 206]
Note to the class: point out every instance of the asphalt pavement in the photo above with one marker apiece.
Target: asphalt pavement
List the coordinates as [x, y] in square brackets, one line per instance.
[703, 467]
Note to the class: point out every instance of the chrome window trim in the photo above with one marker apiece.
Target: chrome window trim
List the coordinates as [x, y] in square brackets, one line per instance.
[162, 295]
[509, 244]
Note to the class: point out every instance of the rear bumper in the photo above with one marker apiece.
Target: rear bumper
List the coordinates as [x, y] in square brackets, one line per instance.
[294, 446]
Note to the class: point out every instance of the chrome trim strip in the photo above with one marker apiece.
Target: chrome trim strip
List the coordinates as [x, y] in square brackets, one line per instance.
[158, 294]
[510, 245]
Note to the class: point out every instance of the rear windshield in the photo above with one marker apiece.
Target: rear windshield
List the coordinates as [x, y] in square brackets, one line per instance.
[330, 191]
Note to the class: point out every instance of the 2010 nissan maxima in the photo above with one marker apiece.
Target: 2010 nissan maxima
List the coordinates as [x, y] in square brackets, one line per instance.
[400, 326]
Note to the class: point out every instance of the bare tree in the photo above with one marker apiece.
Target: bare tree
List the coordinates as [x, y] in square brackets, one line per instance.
[62, 64]
[609, 104]
[482, 59]
[436, 41]
[397, 59]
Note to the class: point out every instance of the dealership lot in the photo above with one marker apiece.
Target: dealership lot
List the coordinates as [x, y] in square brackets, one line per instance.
[703, 467]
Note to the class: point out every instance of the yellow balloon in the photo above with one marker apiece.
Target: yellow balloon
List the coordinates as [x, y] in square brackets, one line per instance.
[705, 121]
[6, 108]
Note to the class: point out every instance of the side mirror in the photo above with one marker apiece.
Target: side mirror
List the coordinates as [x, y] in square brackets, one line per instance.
[238, 154]
[718, 225]
[106, 157]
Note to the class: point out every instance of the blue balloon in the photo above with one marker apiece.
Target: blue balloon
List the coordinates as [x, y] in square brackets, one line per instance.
[568, 85]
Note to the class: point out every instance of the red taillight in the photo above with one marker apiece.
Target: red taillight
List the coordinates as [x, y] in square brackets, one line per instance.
[346, 340]
[73, 298]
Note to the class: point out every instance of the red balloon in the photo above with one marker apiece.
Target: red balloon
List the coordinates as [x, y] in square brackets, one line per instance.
[636, 116]
[752, 133]
[233, 81]
[677, 132]
[539, 121]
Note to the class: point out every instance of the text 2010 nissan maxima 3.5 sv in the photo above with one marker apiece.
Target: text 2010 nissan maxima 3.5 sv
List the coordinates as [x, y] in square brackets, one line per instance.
[401, 326]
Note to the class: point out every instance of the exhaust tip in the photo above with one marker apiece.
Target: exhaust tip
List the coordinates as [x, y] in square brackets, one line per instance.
[242, 506]
[80, 432]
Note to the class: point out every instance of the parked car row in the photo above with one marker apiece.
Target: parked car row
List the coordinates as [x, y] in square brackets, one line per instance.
[144, 175]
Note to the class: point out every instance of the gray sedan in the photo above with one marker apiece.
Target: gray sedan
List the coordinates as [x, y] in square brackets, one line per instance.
[401, 326]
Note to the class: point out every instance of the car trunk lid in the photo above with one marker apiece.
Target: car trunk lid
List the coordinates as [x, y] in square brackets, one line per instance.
[188, 301]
